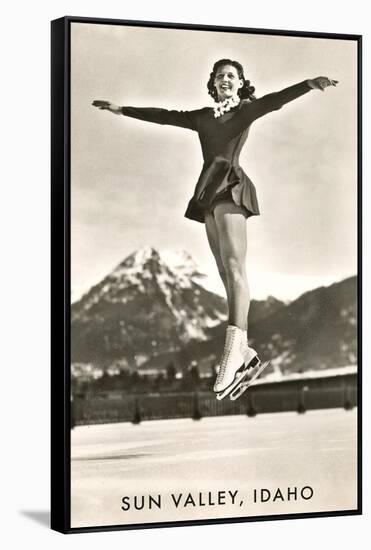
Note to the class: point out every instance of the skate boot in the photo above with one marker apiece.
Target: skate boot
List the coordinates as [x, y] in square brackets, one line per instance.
[235, 361]
[254, 368]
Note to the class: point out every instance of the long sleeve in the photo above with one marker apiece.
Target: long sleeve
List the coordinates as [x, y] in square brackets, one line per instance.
[276, 100]
[184, 119]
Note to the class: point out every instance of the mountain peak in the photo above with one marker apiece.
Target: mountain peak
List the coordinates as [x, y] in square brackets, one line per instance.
[140, 257]
[150, 303]
[177, 262]
[144, 254]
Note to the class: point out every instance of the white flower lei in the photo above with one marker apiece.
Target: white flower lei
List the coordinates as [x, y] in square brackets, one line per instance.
[225, 106]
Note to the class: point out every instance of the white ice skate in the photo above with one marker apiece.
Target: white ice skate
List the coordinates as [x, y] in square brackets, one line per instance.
[237, 360]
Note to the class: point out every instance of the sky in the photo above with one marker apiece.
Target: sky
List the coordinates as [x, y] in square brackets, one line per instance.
[131, 180]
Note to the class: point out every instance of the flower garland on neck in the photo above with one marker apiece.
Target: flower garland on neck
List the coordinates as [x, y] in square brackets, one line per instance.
[224, 106]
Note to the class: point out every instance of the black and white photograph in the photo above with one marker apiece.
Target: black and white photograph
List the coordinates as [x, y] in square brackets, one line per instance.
[213, 232]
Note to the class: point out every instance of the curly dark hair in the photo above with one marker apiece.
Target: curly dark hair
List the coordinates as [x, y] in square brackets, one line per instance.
[246, 92]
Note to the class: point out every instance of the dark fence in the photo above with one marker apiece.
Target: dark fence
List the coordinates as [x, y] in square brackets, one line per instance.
[292, 395]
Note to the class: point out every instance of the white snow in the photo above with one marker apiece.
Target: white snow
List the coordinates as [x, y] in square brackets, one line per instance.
[173, 271]
[183, 266]
[88, 370]
[195, 331]
[143, 254]
[140, 359]
[210, 323]
[324, 373]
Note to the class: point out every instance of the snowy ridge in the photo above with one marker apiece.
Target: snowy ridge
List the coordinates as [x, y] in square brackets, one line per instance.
[151, 308]
[172, 271]
[151, 303]
[171, 265]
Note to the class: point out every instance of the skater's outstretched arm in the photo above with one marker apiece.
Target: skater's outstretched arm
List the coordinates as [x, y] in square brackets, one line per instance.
[184, 119]
[276, 100]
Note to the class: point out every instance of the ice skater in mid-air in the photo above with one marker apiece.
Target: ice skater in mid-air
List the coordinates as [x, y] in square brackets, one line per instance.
[224, 197]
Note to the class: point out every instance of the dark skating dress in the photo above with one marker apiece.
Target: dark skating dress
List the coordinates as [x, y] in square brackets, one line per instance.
[221, 141]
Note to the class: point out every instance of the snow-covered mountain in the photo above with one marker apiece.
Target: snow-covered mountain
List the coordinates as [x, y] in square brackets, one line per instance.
[318, 330]
[152, 309]
[151, 303]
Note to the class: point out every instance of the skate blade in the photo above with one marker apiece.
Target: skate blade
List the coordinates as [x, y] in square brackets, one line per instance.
[221, 395]
[243, 386]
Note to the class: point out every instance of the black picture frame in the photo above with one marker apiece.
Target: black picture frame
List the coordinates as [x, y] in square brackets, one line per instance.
[61, 419]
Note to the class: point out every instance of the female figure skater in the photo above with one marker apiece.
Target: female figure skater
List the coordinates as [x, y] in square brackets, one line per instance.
[225, 197]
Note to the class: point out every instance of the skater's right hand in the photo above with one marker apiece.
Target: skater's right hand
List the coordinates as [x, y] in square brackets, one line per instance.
[107, 106]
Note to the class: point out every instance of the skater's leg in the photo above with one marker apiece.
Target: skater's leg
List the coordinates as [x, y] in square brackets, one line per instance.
[213, 239]
[230, 222]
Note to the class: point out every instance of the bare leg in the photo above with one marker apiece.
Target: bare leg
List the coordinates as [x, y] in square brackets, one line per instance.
[230, 222]
[213, 238]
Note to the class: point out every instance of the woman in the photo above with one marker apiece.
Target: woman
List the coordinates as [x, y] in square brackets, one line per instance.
[224, 196]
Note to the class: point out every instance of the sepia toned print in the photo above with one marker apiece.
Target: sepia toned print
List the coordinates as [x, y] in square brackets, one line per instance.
[214, 289]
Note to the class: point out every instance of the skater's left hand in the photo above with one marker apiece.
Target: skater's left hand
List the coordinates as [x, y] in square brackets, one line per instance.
[322, 82]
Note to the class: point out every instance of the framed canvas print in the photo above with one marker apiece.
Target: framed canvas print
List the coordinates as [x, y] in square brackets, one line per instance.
[206, 186]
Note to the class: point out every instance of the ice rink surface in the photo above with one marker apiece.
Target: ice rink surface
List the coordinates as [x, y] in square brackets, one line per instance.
[215, 467]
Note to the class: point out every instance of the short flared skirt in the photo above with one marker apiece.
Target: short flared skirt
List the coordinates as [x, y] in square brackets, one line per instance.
[234, 186]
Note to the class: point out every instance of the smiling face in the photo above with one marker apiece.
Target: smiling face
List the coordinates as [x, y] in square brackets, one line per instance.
[227, 82]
